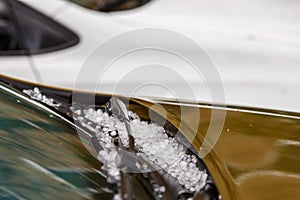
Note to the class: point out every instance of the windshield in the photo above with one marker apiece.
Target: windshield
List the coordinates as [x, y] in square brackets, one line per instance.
[110, 5]
[42, 157]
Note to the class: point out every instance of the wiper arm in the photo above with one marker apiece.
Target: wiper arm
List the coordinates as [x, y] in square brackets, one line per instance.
[119, 108]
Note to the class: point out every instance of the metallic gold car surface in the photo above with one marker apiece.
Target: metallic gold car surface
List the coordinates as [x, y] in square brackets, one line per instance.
[256, 155]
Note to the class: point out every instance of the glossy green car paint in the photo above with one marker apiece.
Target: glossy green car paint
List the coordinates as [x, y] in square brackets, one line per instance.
[41, 156]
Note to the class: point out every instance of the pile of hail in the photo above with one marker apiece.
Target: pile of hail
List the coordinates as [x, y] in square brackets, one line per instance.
[37, 95]
[154, 149]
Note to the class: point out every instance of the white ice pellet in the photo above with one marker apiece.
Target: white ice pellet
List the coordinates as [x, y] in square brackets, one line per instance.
[36, 90]
[77, 112]
[162, 189]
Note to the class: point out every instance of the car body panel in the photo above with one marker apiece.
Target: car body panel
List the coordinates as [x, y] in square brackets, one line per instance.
[256, 153]
[256, 52]
[18, 67]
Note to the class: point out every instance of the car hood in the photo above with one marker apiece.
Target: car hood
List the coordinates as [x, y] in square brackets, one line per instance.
[253, 156]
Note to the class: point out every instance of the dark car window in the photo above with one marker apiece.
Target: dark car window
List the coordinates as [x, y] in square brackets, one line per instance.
[110, 5]
[9, 41]
[24, 31]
